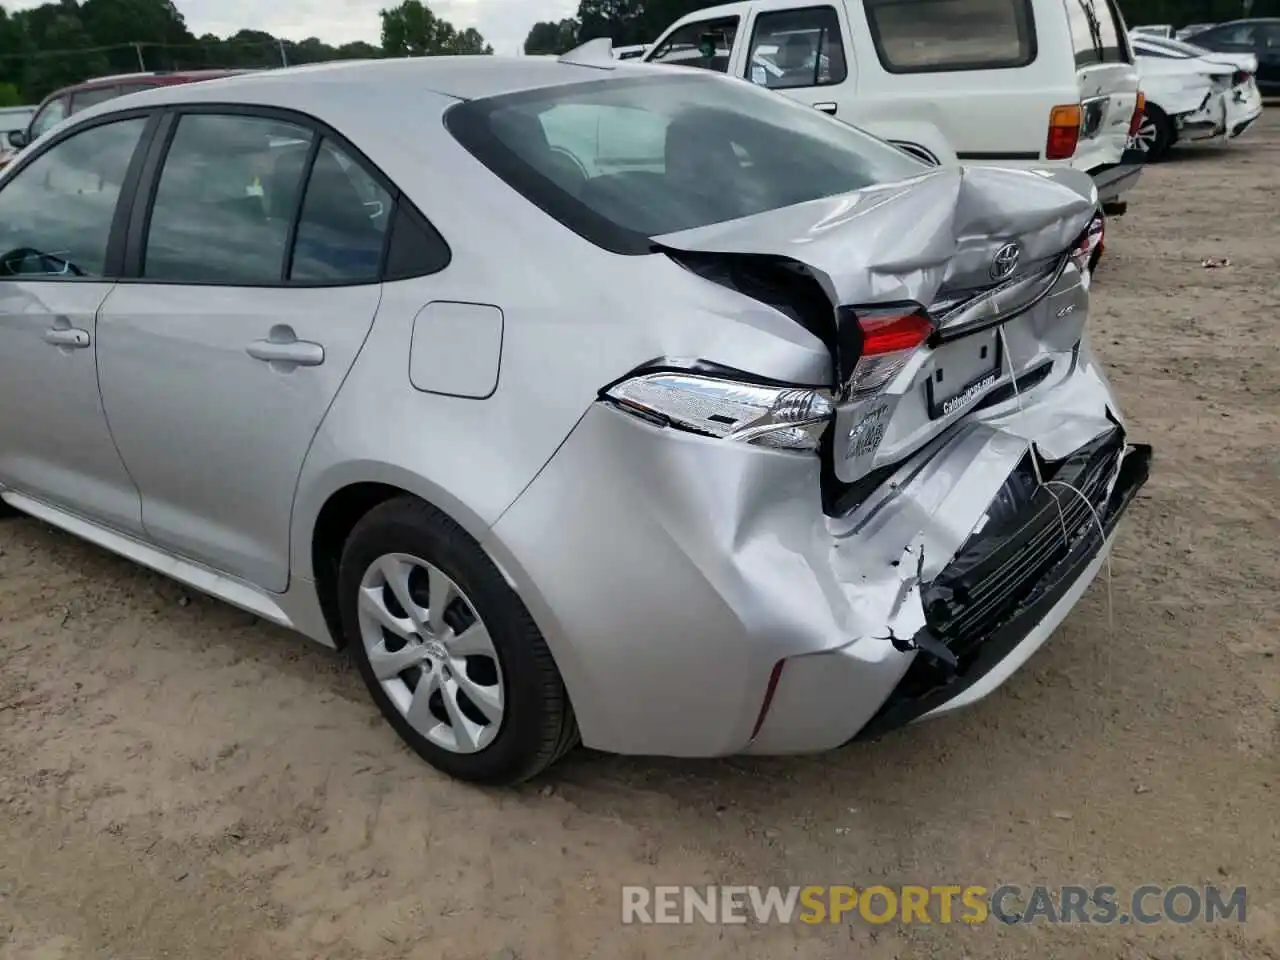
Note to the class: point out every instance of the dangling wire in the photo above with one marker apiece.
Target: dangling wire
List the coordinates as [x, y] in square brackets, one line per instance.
[1102, 532]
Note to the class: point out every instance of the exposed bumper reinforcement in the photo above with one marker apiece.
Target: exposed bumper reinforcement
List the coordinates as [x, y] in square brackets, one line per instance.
[1001, 650]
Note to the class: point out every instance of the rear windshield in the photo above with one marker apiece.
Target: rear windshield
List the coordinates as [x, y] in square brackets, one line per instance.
[626, 159]
[1097, 32]
[930, 36]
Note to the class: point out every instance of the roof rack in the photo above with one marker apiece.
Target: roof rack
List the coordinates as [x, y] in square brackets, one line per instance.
[122, 76]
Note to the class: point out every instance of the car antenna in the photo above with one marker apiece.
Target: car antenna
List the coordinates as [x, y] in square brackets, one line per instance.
[596, 53]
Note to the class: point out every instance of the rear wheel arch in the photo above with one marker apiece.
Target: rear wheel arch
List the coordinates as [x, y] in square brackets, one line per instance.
[369, 525]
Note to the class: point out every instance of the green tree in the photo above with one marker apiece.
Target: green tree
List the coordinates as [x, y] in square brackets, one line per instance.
[620, 20]
[156, 25]
[49, 31]
[412, 30]
[551, 37]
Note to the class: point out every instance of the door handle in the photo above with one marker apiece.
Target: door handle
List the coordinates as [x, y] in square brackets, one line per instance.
[299, 353]
[67, 337]
[827, 107]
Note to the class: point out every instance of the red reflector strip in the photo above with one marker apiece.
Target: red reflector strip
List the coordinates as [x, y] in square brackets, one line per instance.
[891, 333]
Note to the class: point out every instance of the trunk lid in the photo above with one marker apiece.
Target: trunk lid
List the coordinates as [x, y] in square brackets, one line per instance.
[981, 249]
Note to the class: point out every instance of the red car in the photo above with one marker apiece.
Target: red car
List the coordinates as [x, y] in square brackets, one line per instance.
[63, 103]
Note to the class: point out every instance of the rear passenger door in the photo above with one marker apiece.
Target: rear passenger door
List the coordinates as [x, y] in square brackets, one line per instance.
[252, 277]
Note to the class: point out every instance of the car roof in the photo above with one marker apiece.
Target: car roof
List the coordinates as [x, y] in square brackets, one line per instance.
[391, 81]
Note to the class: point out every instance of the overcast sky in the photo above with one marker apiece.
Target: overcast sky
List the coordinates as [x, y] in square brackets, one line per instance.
[504, 23]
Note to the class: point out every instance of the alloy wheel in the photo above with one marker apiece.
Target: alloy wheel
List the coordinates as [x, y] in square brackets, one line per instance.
[1147, 134]
[431, 653]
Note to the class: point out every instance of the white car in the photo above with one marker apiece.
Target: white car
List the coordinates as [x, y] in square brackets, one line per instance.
[1011, 83]
[1154, 30]
[1193, 94]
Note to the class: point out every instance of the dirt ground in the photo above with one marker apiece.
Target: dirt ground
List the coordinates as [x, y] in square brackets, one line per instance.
[178, 780]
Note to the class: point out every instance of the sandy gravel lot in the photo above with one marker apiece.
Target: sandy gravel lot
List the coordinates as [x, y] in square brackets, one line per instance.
[178, 780]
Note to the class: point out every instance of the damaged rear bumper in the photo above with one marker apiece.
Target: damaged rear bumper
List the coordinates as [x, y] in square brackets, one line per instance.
[699, 602]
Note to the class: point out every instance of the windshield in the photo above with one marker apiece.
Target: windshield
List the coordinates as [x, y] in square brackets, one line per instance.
[623, 160]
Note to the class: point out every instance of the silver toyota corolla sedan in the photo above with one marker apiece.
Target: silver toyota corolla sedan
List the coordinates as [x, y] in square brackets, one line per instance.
[580, 400]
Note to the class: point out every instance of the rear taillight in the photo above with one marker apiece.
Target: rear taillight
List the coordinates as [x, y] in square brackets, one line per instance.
[783, 416]
[1139, 108]
[1064, 132]
[889, 339]
[1089, 245]
[1240, 77]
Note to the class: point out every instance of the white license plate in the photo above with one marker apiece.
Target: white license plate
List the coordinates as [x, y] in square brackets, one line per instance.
[962, 372]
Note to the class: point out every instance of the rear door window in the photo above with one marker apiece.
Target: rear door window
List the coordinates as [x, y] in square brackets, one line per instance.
[924, 36]
[706, 44]
[84, 99]
[344, 219]
[226, 199]
[797, 48]
[1095, 32]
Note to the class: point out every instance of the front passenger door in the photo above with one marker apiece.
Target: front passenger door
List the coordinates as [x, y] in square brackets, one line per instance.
[56, 216]
[219, 359]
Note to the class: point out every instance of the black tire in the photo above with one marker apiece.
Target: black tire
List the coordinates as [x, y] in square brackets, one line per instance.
[1163, 133]
[538, 725]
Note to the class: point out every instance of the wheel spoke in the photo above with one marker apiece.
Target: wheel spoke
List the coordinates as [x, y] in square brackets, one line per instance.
[419, 713]
[471, 642]
[466, 733]
[391, 663]
[488, 699]
[441, 595]
[371, 602]
[396, 573]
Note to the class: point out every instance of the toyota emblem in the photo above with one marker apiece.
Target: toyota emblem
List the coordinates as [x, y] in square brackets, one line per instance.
[1005, 261]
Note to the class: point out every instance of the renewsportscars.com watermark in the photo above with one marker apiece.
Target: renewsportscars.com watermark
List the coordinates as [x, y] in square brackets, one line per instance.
[940, 903]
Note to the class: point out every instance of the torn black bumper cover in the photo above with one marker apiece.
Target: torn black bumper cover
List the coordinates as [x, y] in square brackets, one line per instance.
[1038, 541]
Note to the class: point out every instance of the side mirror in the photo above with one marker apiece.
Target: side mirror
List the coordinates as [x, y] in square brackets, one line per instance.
[18, 138]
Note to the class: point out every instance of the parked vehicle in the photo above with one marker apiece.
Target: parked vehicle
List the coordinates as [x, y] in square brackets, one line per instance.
[12, 118]
[1191, 28]
[775, 436]
[1007, 82]
[1193, 94]
[1260, 37]
[68, 101]
[1155, 30]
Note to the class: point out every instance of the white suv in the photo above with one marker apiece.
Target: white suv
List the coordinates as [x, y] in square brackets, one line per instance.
[1005, 82]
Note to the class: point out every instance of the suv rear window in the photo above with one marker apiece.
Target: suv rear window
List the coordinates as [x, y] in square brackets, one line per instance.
[623, 160]
[1096, 32]
[936, 36]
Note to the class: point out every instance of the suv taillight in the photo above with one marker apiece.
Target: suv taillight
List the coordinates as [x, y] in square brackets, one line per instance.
[1064, 132]
[1139, 108]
